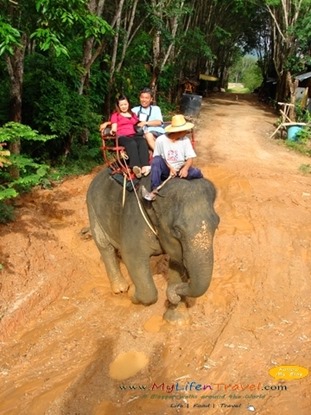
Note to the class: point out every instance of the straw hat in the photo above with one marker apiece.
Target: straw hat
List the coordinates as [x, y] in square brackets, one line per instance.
[178, 124]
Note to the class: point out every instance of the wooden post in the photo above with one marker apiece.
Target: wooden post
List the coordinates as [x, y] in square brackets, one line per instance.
[292, 88]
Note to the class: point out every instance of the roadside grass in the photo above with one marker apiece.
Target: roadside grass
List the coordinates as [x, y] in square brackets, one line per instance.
[302, 142]
[305, 168]
[301, 147]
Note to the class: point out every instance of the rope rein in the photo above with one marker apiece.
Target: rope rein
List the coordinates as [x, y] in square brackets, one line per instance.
[142, 211]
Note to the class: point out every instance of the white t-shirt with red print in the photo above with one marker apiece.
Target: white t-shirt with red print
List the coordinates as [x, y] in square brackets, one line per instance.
[174, 152]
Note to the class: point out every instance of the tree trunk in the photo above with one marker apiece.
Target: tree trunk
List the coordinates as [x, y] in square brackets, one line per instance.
[89, 57]
[116, 41]
[128, 36]
[284, 18]
[15, 67]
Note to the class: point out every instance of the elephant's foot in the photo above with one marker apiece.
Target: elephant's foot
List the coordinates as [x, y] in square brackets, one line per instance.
[177, 314]
[132, 294]
[119, 286]
[145, 299]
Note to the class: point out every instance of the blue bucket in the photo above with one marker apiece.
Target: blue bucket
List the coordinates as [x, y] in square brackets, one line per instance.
[292, 132]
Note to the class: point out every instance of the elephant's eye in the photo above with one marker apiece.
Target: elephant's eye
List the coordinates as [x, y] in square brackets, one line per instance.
[176, 232]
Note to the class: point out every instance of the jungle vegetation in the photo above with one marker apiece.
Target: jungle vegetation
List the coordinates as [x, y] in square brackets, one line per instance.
[63, 62]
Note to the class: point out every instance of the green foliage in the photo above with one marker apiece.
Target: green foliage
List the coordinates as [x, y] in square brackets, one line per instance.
[9, 38]
[304, 136]
[252, 79]
[273, 2]
[12, 131]
[167, 80]
[131, 81]
[302, 114]
[31, 173]
[194, 43]
[7, 193]
[302, 31]
[167, 83]
[69, 16]
[139, 51]
[303, 143]
[99, 86]
[60, 9]
[300, 60]
[247, 72]
[52, 104]
[222, 35]
[6, 215]
[59, 108]
[167, 108]
[47, 39]
[81, 160]
[135, 73]
[68, 19]
[96, 27]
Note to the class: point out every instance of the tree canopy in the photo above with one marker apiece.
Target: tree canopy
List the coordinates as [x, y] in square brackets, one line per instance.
[63, 61]
[108, 46]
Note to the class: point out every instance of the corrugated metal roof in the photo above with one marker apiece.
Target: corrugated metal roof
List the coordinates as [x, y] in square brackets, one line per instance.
[303, 76]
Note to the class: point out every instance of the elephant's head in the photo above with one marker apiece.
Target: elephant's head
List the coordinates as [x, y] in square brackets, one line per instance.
[184, 216]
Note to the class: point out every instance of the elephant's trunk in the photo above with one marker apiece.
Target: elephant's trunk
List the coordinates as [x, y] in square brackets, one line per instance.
[198, 260]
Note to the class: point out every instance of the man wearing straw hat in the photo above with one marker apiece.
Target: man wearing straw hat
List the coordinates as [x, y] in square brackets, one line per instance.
[173, 156]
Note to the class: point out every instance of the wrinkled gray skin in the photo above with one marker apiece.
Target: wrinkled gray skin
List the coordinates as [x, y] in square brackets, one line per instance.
[185, 221]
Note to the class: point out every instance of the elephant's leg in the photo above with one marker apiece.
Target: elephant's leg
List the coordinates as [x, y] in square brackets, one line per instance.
[144, 290]
[117, 282]
[110, 258]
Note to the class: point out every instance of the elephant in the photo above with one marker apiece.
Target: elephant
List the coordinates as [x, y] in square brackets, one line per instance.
[180, 223]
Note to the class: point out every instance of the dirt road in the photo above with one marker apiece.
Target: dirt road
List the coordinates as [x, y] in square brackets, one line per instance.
[71, 347]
